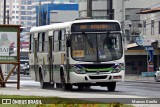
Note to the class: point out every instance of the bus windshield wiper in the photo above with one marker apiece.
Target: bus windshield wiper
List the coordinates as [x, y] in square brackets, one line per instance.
[89, 42]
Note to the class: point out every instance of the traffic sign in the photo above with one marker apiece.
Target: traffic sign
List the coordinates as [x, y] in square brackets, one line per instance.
[140, 41]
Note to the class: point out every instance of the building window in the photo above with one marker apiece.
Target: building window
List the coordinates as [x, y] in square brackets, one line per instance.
[23, 13]
[127, 17]
[29, 18]
[29, 7]
[23, 7]
[29, 2]
[23, 18]
[144, 27]
[152, 27]
[23, 2]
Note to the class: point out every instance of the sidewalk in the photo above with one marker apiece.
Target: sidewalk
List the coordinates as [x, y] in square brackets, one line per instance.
[133, 78]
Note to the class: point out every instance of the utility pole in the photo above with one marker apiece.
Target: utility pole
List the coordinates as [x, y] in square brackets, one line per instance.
[8, 17]
[4, 12]
[122, 24]
[89, 8]
[40, 14]
[110, 10]
[123, 16]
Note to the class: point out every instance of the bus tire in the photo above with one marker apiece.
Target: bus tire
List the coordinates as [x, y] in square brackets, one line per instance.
[111, 86]
[80, 87]
[83, 87]
[87, 87]
[58, 85]
[43, 84]
[65, 86]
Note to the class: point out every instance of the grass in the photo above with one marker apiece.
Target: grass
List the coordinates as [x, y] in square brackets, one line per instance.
[52, 102]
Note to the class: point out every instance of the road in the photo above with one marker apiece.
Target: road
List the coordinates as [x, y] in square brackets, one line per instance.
[123, 90]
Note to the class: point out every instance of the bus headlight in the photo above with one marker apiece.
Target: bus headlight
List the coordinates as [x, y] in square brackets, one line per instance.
[78, 70]
[118, 68]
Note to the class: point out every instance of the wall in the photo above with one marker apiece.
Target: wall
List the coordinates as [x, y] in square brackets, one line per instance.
[58, 16]
[44, 12]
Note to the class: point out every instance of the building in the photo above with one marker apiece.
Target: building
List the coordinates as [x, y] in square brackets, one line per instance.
[17, 12]
[38, 4]
[137, 56]
[12, 11]
[54, 13]
[124, 10]
[26, 13]
[150, 22]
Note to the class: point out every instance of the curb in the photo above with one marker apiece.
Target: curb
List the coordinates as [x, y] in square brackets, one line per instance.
[141, 81]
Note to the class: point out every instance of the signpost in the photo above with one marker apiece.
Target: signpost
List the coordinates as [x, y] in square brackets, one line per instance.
[10, 51]
[150, 63]
[147, 44]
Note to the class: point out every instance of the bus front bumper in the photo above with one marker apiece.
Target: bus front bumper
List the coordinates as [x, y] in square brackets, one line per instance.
[93, 77]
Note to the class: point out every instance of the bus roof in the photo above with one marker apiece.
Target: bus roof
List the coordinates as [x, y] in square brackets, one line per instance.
[65, 25]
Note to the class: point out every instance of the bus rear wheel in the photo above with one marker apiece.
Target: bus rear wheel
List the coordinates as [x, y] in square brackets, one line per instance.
[111, 86]
[42, 83]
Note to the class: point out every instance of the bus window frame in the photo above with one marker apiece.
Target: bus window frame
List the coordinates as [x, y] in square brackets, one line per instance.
[60, 39]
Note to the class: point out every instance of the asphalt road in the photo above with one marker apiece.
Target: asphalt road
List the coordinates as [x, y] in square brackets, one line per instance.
[151, 90]
[123, 90]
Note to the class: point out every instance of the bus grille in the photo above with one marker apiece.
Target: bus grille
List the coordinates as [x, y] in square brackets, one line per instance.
[96, 71]
[98, 77]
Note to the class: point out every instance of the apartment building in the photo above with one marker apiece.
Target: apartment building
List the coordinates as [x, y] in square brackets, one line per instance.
[12, 11]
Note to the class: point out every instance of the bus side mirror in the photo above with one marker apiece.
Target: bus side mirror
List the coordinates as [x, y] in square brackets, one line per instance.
[68, 42]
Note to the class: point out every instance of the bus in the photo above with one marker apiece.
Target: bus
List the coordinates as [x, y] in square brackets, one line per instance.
[81, 53]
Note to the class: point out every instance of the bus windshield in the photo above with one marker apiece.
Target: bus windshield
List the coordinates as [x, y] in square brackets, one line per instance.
[97, 47]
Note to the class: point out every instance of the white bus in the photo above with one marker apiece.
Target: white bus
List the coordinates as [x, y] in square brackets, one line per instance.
[80, 53]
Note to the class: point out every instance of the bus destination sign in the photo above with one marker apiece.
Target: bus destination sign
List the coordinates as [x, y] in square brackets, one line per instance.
[95, 27]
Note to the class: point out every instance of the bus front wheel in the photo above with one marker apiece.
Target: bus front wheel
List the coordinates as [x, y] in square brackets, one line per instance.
[111, 86]
[65, 86]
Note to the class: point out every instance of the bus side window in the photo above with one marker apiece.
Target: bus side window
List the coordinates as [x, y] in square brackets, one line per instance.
[40, 42]
[61, 40]
[56, 41]
[43, 41]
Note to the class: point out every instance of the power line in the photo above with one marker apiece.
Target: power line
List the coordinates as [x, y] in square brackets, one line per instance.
[142, 8]
[152, 5]
[156, 17]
